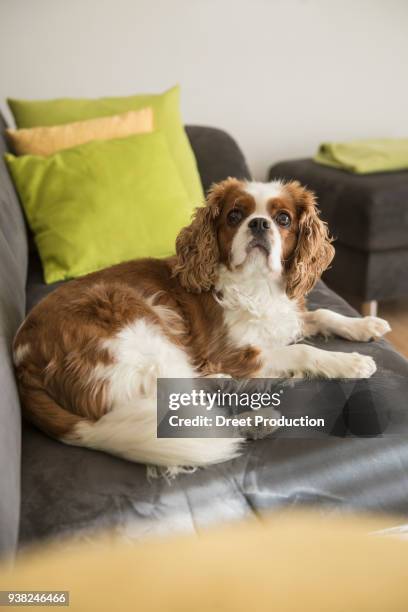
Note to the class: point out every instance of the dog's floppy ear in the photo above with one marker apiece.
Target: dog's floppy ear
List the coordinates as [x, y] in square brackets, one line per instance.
[197, 247]
[314, 251]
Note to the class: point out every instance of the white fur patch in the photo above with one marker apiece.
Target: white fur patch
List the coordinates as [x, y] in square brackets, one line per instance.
[263, 192]
[239, 247]
[257, 310]
[142, 353]
[131, 434]
[20, 353]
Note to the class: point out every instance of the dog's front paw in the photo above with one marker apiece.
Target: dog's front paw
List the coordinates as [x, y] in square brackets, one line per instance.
[372, 327]
[365, 329]
[354, 365]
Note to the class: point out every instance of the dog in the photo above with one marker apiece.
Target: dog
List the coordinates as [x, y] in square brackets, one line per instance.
[230, 302]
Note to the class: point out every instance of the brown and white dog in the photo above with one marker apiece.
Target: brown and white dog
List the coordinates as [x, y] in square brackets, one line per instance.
[230, 302]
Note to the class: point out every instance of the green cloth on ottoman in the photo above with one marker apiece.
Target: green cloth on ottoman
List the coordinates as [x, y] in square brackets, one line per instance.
[365, 156]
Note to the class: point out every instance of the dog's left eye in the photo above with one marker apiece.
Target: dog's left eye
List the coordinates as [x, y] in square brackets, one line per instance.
[283, 219]
[234, 217]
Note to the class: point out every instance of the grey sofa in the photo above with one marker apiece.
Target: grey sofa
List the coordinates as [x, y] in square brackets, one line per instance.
[50, 490]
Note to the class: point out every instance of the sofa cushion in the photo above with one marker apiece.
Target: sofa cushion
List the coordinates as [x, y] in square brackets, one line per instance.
[167, 118]
[367, 212]
[76, 491]
[49, 140]
[101, 203]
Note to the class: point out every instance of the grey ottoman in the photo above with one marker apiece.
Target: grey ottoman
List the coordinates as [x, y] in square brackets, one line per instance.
[368, 216]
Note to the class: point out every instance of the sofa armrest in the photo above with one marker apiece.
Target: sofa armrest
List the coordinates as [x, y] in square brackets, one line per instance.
[13, 270]
[218, 155]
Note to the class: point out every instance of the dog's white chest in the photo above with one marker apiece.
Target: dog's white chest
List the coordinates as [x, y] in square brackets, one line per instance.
[257, 310]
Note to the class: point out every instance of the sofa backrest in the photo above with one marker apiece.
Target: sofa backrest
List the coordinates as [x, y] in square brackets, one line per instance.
[218, 155]
[13, 270]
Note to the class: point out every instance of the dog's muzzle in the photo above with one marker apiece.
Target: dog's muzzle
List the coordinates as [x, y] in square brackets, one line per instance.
[259, 228]
[261, 243]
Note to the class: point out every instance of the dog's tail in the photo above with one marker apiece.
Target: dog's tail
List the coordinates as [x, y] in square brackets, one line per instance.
[132, 434]
[43, 411]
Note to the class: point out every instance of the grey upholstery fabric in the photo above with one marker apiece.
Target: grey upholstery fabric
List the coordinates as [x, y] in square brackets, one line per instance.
[379, 275]
[70, 490]
[368, 216]
[13, 267]
[218, 155]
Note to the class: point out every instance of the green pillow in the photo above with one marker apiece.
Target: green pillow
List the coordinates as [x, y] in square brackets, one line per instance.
[166, 109]
[102, 203]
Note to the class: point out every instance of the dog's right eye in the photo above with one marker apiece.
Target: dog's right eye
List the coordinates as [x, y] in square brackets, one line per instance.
[234, 217]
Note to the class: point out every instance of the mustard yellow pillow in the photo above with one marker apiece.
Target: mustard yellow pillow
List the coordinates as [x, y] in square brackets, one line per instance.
[48, 140]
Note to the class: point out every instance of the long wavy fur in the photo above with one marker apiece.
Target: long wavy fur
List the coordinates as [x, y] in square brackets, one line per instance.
[197, 246]
[314, 251]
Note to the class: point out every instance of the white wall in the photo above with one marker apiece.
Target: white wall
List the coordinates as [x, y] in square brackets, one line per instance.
[280, 75]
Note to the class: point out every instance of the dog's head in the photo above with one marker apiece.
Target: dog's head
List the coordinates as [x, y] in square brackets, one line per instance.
[242, 221]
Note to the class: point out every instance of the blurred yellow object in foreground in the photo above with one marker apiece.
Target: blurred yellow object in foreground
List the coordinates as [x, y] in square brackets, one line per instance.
[285, 563]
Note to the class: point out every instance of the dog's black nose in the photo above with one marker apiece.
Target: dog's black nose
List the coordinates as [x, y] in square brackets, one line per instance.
[259, 225]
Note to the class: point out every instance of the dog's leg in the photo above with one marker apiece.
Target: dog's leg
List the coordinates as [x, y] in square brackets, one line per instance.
[299, 360]
[327, 322]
